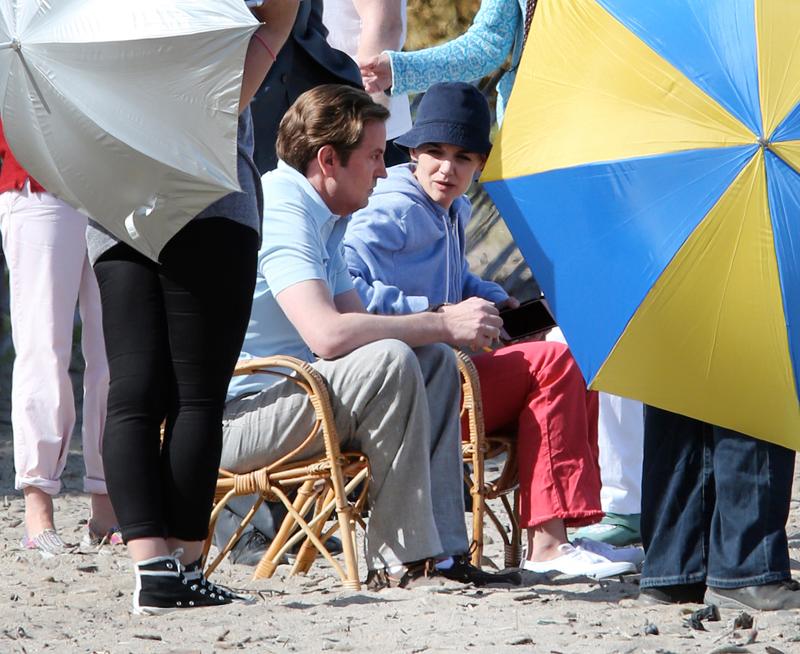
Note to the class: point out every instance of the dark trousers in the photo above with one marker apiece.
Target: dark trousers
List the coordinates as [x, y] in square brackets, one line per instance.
[173, 334]
[714, 505]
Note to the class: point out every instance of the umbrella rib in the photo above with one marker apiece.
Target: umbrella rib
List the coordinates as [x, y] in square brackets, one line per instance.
[56, 90]
[17, 48]
[727, 283]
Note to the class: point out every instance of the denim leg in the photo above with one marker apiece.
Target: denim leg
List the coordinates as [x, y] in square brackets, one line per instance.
[748, 544]
[677, 499]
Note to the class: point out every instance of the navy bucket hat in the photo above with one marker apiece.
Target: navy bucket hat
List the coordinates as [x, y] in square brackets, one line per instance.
[454, 113]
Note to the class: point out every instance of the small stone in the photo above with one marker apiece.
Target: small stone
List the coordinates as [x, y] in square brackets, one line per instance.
[525, 640]
[148, 636]
[651, 630]
[743, 621]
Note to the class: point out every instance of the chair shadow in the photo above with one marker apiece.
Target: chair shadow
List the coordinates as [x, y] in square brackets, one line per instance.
[358, 600]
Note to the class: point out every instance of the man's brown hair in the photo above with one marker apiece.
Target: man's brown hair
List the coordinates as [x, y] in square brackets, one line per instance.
[330, 114]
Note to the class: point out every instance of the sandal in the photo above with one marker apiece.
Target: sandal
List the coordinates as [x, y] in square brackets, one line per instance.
[48, 543]
[95, 538]
[410, 576]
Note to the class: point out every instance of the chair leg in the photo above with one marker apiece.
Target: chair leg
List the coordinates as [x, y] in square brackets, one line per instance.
[347, 527]
[308, 553]
[225, 550]
[269, 562]
[513, 550]
[478, 492]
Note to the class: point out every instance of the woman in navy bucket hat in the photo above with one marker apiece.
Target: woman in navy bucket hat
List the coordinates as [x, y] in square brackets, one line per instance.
[406, 252]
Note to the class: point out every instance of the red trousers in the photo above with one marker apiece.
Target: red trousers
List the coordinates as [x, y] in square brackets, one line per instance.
[537, 390]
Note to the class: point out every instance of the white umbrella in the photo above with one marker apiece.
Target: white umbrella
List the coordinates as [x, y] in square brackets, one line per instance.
[126, 109]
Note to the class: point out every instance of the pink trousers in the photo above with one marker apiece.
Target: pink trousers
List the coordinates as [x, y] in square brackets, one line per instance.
[537, 389]
[44, 241]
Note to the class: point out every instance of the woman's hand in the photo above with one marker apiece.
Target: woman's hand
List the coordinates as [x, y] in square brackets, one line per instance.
[376, 73]
[508, 303]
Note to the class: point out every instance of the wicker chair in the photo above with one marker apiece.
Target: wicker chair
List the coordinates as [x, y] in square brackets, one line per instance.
[323, 482]
[477, 449]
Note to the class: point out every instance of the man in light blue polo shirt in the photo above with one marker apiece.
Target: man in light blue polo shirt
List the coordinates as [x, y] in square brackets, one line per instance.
[398, 405]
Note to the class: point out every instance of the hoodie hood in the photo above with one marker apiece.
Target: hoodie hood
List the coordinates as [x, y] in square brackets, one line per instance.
[400, 179]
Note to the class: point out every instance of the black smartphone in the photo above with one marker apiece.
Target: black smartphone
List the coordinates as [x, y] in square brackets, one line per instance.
[527, 319]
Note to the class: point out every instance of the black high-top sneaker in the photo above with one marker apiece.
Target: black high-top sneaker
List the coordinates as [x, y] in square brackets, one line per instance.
[161, 588]
[193, 573]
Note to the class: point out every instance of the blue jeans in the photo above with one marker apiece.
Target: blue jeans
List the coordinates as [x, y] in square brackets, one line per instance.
[714, 505]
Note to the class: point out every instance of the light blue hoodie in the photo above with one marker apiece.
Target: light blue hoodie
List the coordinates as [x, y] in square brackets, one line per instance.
[406, 253]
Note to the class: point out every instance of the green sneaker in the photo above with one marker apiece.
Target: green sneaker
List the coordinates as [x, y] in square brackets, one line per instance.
[614, 529]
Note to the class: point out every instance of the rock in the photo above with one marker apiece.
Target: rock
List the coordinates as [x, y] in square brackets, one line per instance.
[743, 621]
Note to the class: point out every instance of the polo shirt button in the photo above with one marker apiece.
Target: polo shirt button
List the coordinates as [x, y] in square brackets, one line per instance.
[284, 77]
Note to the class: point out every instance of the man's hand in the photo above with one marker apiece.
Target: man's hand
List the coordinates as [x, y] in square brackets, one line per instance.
[376, 73]
[474, 322]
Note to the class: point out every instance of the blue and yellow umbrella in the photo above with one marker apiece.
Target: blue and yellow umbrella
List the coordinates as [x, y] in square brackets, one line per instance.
[648, 170]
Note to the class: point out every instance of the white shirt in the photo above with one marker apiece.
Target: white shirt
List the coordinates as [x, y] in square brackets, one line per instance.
[344, 27]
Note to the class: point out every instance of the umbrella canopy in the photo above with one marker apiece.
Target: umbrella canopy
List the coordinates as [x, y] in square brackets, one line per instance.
[648, 170]
[126, 110]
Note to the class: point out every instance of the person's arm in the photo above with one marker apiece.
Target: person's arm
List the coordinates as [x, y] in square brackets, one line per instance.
[381, 26]
[331, 333]
[381, 29]
[373, 239]
[480, 50]
[277, 17]
[386, 299]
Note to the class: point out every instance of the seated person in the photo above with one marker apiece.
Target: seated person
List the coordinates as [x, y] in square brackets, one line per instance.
[397, 405]
[405, 251]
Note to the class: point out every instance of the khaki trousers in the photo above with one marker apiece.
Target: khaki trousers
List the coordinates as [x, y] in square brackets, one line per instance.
[399, 407]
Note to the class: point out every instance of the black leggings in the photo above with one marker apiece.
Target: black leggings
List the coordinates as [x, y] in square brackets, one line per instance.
[173, 333]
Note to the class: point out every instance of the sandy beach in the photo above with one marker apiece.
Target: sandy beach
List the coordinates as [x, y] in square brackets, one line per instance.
[81, 602]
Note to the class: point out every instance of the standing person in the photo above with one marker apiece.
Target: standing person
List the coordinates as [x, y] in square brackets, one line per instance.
[714, 509]
[394, 386]
[364, 29]
[305, 61]
[406, 251]
[498, 30]
[49, 272]
[173, 331]
[620, 437]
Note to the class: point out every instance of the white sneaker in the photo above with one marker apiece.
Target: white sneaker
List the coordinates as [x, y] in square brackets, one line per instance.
[631, 554]
[576, 562]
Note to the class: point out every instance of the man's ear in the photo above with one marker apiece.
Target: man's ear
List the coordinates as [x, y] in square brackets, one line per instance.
[414, 154]
[327, 160]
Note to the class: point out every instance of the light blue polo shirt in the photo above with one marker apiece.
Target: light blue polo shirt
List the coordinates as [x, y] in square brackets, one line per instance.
[301, 240]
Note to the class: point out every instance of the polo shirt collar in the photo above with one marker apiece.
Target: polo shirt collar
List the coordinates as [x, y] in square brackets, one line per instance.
[319, 211]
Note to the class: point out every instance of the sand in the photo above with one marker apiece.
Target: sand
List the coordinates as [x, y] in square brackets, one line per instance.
[80, 602]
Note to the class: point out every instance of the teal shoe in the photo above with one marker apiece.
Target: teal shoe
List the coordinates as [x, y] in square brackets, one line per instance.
[614, 529]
